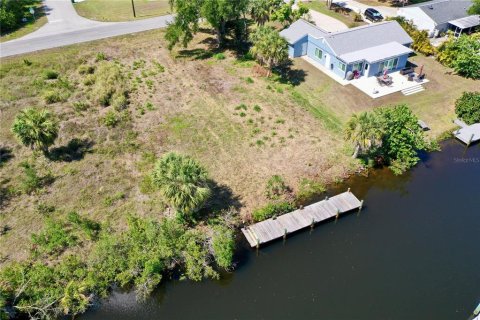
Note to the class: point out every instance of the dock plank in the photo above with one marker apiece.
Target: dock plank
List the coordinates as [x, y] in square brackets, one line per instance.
[274, 228]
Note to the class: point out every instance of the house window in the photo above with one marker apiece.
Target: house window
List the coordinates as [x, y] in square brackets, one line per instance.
[388, 64]
[318, 53]
[341, 65]
[357, 66]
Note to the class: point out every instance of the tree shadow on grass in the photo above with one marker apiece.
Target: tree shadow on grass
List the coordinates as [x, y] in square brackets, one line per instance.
[223, 198]
[196, 54]
[5, 155]
[75, 150]
[288, 75]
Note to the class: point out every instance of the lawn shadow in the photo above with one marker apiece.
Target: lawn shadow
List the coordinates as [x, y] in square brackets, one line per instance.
[196, 54]
[287, 75]
[75, 150]
[223, 198]
[5, 155]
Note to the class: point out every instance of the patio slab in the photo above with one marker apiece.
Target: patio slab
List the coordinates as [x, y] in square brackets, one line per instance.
[370, 86]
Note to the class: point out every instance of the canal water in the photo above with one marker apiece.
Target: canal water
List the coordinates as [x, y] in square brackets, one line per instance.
[412, 253]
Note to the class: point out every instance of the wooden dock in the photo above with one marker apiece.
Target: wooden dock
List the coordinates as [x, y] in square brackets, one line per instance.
[274, 228]
[467, 134]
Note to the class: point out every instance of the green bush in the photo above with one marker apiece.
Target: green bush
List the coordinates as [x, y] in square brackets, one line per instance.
[467, 107]
[219, 56]
[421, 42]
[80, 106]
[271, 210]
[100, 56]
[50, 74]
[52, 96]
[89, 227]
[86, 69]
[31, 181]
[308, 189]
[120, 102]
[223, 243]
[110, 84]
[111, 119]
[54, 238]
[275, 187]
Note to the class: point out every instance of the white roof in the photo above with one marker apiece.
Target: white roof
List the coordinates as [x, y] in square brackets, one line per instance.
[377, 53]
[467, 22]
[300, 29]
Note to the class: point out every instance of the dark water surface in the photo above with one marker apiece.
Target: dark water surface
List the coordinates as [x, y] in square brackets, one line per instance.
[412, 253]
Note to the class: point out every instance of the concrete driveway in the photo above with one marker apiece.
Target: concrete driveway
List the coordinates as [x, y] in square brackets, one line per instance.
[360, 8]
[327, 23]
[66, 27]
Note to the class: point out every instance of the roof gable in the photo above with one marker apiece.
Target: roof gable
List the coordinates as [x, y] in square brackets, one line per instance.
[443, 11]
[365, 37]
[299, 29]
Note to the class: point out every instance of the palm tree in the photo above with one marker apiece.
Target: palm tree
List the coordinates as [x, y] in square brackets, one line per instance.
[364, 130]
[36, 129]
[269, 47]
[182, 181]
[261, 10]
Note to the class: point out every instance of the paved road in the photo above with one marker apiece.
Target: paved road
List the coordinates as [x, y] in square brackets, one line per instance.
[66, 27]
[360, 8]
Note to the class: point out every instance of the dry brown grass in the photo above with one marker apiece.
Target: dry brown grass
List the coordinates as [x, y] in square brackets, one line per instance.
[195, 111]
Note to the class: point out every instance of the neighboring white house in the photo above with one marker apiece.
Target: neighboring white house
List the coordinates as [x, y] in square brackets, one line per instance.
[438, 16]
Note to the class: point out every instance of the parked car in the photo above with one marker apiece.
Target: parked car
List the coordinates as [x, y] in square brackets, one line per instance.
[373, 15]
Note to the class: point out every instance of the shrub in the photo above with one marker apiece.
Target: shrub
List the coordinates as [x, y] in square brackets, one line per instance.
[257, 108]
[308, 189]
[219, 56]
[223, 244]
[110, 200]
[271, 210]
[111, 119]
[50, 75]
[89, 80]
[275, 187]
[149, 106]
[249, 80]
[86, 69]
[110, 83]
[243, 114]
[89, 227]
[159, 67]
[31, 181]
[45, 209]
[100, 56]
[467, 107]
[36, 129]
[80, 106]
[183, 182]
[241, 107]
[120, 102]
[54, 238]
[52, 96]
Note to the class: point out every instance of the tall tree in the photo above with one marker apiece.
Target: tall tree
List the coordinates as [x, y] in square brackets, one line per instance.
[364, 131]
[262, 10]
[218, 13]
[182, 182]
[269, 47]
[286, 14]
[475, 8]
[36, 129]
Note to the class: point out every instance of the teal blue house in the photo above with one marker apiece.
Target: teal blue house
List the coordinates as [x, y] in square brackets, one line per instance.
[366, 50]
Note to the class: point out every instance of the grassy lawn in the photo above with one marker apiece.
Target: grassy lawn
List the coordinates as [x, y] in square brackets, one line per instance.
[321, 6]
[121, 10]
[29, 26]
[244, 128]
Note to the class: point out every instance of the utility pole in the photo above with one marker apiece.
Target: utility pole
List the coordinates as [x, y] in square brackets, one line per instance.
[133, 9]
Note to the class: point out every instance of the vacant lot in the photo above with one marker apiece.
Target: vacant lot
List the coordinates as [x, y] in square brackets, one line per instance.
[121, 10]
[244, 128]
